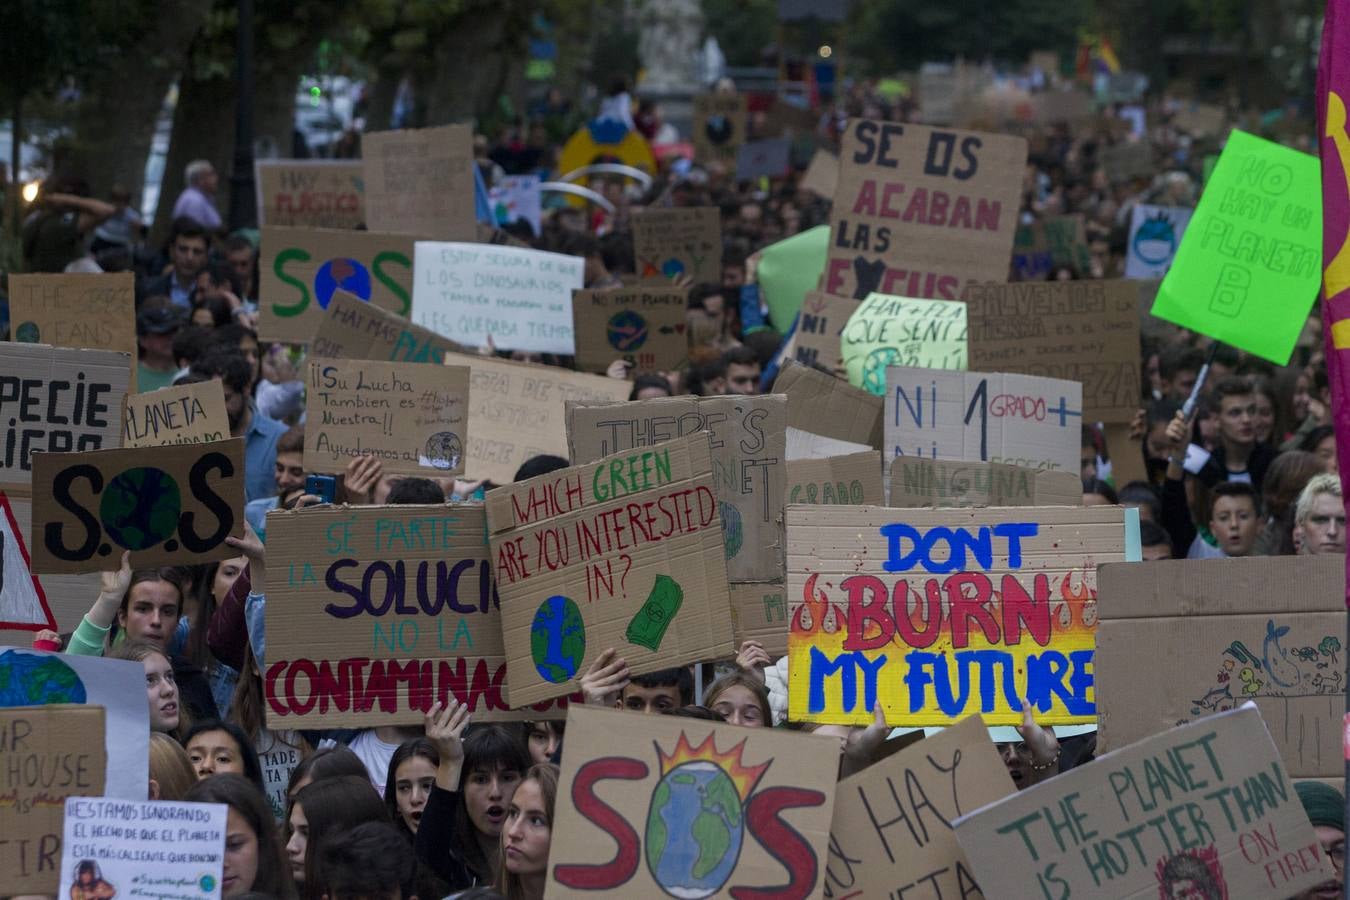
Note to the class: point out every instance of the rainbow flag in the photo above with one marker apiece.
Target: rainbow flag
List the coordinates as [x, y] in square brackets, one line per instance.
[1096, 56]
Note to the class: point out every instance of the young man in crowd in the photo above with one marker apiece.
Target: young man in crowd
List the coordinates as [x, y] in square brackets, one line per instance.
[261, 433]
[188, 248]
[1319, 517]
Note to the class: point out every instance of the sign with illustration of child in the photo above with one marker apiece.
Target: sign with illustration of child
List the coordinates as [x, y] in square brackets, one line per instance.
[941, 613]
[625, 552]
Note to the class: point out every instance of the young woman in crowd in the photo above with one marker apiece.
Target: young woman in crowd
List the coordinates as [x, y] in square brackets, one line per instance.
[412, 774]
[217, 747]
[544, 740]
[741, 699]
[279, 752]
[171, 772]
[527, 835]
[326, 762]
[323, 808]
[161, 688]
[254, 860]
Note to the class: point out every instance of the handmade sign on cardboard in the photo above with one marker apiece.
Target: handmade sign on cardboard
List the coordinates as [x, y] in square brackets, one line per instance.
[57, 400]
[853, 480]
[1006, 610]
[1201, 810]
[749, 470]
[816, 341]
[822, 175]
[150, 849]
[920, 211]
[1084, 331]
[763, 159]
[759, 612]
[1233, 630]
[302, 269]
[74, 310]
[516, 411]
[187, 414]
[1250, 263]
[696, 809]
[413, 417]
[1199, 118]
[944, 483]
[719, 127]
[830, 407]
[1127, 160]
[354, 329]
[310, 193]
[643, 324]
[1155, 235]
[625, 553]
[889, 331]
[47, 753]
[520, 299]
[676, 241]
[89, 507]
[1051, 243]
[1022, 420]
[381, 611]
[892, 831]
[420, 181]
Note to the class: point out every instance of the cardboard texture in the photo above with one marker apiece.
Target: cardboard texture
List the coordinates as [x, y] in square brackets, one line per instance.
[853, 480]
[1022, 420]
[646, 516]
[946, 484]
[1050, 243]
[47, 753]
[412, 416]
[696, 809]
[476, 293]
[816, 340]
[1231, 630]
[89, 507]
[822, 175]
[759, 613]
[76, 311]
[188, 414]
[57, 399]
[830, 407]
[749, 462]
[420, 182]
[920, 211]
[516, 411]
[1004, 605]
[1127, 160]
[719, 127]
[643, 324]
[892, 830]
[803, 444]
[1200, 118]
[353, 329]
[1127, 456]
[763, 159]
[302, 269]
[675, 241]
[1084, 331]
[901, 331]
[1155, 236]
[30, 603]
[310, 193]
[1203, 810]
[380, 612]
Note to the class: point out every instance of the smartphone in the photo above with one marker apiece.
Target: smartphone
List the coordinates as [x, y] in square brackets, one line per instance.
[322, 486]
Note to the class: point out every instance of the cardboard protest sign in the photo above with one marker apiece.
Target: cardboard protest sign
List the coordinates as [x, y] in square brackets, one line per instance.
[1202, 810]
[302, 269]
[822, 175]
[420, 182]
[516, 411]
[749, 462]
[1155, 235]
[582, 533]
[759, 613]
[1199, 118]
[57, 400]
[943, 483]
[47, 753]
[1127, 160]
[310, 193]
[803, 444]
[889, 331]
[1022, 420]
[679, 241]
[643, 324]
[354, 329]
[148, 849]
[75, 310]
[1234, 630]
[411, 416]
[853, 480]
[380, 612]
[714, 810]
[1051, 243]
[89, 507]
[188, 414]
[521, 299]
[1084, 331]
[1249, 264]
[830, 407]
[1011, 608]
[763, 159]
[816, 341]
[719, 127]
[920, 211]
[892, 824]
[516, 198]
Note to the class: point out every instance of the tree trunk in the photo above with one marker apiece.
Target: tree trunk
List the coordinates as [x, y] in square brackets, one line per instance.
[456, 91]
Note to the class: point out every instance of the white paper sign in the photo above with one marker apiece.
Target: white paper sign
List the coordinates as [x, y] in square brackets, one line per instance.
[143, 849]
[1021, 420]
[1155, 235]
[521, 298]
[517, 197]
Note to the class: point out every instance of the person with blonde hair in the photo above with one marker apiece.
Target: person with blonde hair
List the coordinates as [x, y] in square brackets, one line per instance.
[171, 772]
[1319, 516]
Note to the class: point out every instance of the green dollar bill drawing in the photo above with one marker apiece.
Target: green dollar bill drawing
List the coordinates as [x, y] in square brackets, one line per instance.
[649, 626]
